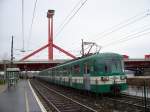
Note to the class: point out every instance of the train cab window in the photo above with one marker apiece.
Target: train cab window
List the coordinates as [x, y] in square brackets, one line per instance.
[113, 66]
[107, 67]
[103, 66]
[116, 66]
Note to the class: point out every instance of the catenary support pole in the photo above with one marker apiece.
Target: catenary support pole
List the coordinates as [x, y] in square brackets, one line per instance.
[12, 50]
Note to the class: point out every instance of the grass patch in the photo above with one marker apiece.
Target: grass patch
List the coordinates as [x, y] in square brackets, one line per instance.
[2, 82]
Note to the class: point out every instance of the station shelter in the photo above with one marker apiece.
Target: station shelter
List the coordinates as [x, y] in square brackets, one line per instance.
[12, 76]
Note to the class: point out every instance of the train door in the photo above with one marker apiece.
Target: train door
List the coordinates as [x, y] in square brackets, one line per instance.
[86, 76]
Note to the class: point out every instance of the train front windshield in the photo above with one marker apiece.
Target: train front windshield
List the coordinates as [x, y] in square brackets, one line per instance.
[110, 66]
[113, 66]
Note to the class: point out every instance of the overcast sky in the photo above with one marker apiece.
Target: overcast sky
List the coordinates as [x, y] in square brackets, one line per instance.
[96, 21]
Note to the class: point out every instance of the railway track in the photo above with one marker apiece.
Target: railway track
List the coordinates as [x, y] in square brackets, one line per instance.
[58, 102]
[124, 103]
[136, 101]
[132, 102]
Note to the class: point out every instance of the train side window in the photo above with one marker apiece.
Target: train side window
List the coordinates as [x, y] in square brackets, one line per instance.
[49, 72]
[68, 70]
[52, 72]
[64, 71]
[71, 70]
[76, 69]
[60, 71]
[55, 72]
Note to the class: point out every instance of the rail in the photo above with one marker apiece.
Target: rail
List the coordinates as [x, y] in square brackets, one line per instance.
[58, 101]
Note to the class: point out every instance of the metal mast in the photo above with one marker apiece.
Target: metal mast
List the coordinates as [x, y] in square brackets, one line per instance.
[12, 50]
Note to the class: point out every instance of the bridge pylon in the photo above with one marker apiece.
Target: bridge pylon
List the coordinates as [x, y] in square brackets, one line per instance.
[50, 43]
[50, 14]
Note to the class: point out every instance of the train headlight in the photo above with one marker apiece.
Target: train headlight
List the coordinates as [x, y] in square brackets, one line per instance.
[123, 77]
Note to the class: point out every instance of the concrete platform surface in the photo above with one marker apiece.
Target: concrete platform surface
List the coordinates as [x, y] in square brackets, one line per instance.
[19, 99]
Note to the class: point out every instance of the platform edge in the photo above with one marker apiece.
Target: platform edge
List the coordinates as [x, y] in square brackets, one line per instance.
[37, 99]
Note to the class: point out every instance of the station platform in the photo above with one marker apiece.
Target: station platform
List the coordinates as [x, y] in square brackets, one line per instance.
[20, 98]
[134, 91]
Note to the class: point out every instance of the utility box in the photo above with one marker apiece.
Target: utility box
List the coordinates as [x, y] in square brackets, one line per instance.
[12, 76]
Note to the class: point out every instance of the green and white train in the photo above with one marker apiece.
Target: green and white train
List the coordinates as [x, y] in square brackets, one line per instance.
[100, 73]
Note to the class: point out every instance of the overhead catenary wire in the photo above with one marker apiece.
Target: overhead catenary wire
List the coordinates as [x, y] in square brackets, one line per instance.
[129, 37]
[78, 3]
[123, 25]
[122, 22]
[22, 25]
[31, 26]
[131, 33]
[129, 21]
[63, 24]
[70, 18]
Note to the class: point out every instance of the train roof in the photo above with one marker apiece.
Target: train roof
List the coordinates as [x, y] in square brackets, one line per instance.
[93, 56]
